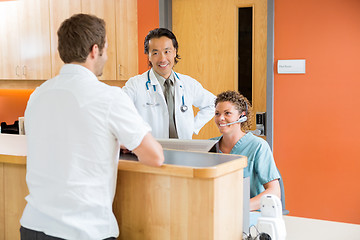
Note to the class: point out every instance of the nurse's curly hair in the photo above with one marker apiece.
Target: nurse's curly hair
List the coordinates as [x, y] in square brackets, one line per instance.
[241, 104]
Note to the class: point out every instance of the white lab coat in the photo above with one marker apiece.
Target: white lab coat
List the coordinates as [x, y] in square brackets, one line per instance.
[152, 105]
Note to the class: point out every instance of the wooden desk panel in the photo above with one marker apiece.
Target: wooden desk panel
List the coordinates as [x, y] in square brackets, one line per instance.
[201, 199]
[174, 201]
[160, 207]
[2, 203]
[15, 191]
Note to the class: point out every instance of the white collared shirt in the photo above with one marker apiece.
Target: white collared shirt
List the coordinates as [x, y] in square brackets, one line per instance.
[74, 126]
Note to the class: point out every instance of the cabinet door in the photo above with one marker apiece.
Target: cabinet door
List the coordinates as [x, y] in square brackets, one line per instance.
[9, 41]
[105, 9]
[34, 39]
[25, 47]
[127, 39]
[59, 11]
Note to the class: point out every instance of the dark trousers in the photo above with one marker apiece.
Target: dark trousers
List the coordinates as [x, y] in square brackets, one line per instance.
[28, 234]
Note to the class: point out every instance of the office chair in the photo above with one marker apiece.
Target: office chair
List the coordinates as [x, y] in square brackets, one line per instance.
[284, 210]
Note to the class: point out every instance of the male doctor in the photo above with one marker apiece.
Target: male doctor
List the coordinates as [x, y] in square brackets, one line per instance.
[165, 98]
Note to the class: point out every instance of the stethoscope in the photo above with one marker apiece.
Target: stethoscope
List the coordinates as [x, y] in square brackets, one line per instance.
[183, 106]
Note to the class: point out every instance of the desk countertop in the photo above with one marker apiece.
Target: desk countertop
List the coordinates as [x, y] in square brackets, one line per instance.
[188, 164]
[13, 149]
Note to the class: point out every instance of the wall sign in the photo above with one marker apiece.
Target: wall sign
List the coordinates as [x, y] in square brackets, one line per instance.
[291, 66]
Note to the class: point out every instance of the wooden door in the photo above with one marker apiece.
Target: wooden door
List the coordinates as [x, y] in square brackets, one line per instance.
[207, 31]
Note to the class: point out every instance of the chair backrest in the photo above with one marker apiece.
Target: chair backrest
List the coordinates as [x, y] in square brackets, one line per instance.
[285, 211]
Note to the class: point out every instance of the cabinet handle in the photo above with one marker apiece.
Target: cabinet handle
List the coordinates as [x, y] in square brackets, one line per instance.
[17, 70]
[24, 70]
[120, 74]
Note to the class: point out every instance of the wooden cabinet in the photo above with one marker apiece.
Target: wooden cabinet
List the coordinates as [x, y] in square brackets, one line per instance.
[59, 11]
[25, 40]
[9, 54]
[105, 9]
[126, 39]
[121, 29]
[28, 30]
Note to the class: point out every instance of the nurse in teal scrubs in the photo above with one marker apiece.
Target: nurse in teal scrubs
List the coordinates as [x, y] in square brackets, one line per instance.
[233, 117]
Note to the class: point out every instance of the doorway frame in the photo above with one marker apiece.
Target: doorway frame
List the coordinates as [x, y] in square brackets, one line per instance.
[165, 20]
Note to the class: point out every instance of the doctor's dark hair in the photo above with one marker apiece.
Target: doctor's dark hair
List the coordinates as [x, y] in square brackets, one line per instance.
[78, 34]
[158, 33]
[241, 104]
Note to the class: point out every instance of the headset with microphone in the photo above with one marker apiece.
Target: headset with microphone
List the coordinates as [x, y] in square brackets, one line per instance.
[242, 118]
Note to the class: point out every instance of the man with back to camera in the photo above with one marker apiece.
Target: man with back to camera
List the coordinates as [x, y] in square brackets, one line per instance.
[74, 126]
[165, 98]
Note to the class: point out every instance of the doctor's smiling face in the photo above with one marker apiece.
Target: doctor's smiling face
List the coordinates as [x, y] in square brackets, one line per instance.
[162, 55]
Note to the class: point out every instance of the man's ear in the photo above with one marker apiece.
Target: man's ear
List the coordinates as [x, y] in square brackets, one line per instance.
[94, 51]
[148, 60]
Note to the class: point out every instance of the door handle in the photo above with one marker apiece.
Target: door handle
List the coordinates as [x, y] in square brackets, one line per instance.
[261, 123]
[17, 70]
[24, 70]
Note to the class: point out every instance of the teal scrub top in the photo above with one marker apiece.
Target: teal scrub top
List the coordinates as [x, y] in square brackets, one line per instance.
[261, 166]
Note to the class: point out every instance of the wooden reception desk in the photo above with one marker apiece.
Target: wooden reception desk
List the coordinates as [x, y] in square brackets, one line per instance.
[193, 196]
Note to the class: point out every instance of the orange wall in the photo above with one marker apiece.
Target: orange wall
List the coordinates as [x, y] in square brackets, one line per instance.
[13, 103]
[316, 129]
[148, 19]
